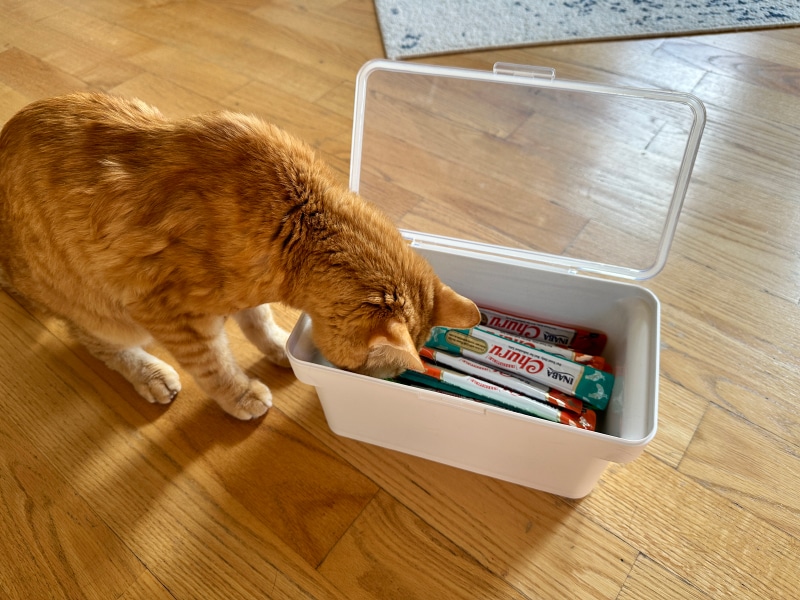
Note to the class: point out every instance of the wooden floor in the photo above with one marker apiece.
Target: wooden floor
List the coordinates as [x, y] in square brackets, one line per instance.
[105, 496]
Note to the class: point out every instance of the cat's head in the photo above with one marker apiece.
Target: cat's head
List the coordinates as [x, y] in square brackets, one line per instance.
[380, 334]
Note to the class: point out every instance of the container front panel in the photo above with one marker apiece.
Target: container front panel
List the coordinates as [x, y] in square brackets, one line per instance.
[491, 441]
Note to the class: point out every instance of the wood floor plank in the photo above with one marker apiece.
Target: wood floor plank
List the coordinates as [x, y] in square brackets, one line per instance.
[757, 71]
[306, 120]
[109, 73]
[748, 466]
[169, 97]
[679, 414]
[189, 71]
[53, 544]
[62, 51]
[146, 587]
[742, 311]
[215, 25]
[419, 556]
[765, 395]
[33, 77]
[11, 100]
[767, 407]
[33, 10]
[165, 506]
[767, 146]
[191, 41]
[102, 36]
[281, 474]
[719, 548]
[649, 580]
[775, 45]
[327, 26]
[748, 98]
[110, 11]
[339, 100]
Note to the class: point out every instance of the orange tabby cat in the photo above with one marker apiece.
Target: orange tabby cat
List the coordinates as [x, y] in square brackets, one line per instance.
[132, 227]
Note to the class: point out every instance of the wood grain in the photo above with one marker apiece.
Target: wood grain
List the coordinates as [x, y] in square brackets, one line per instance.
[106, 496]
[146, 587]
[648, 579]
[759, 462]
[733, 552]
[387, 528]
[53, 540]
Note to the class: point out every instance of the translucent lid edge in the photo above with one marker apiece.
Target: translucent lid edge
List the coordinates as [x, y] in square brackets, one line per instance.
[555, 262]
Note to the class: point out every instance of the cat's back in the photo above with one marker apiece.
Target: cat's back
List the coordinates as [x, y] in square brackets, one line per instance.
[60, 116]
[111, 194]
[51, 165]
[72, 125]
[59, 143]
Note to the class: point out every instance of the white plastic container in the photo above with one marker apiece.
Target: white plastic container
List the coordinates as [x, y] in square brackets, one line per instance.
[421, 115]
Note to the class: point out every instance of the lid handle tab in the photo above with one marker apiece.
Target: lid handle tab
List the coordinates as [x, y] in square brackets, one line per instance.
[529, 71]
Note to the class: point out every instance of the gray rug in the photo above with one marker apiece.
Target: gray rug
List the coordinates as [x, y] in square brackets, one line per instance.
[424, 27]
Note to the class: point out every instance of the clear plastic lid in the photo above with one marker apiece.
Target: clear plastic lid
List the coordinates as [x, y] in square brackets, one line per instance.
[521, 166]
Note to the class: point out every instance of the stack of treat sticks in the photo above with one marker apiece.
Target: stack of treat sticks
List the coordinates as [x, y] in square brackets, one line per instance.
[543, 370]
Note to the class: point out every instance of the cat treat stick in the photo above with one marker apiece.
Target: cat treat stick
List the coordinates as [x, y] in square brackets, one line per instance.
[472, 387]
[526, 388]
[598, 362]
[586, 383]
[582, 340]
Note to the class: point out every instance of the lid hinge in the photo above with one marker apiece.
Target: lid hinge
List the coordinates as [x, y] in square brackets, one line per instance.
[529, 71]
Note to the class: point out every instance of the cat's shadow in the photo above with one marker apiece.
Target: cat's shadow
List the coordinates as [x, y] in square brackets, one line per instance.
[192, 418]
[170, 440]
[160, 455]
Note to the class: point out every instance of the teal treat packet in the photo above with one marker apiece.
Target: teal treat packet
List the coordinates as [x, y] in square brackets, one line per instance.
[468, 386]
[591, 385]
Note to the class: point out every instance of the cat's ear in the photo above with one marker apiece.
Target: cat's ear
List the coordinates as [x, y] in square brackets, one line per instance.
[393, 344]
[453, 310]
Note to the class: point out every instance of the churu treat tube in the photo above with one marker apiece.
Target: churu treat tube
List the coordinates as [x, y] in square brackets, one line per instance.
[582, 340]
[506, 380]
[464, 385]
[582, 381]
[598, 362]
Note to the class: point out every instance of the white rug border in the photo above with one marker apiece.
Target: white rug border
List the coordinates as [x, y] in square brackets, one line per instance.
[416, 28]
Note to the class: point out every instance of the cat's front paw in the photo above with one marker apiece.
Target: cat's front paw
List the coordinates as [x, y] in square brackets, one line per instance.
[160, 383]
[255, 402]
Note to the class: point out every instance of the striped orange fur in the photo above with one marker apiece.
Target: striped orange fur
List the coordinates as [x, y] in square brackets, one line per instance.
[133, 227]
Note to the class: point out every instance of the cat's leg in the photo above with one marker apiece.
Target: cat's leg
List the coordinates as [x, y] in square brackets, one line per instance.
[259, 326]
[154, 379]
[201, 347]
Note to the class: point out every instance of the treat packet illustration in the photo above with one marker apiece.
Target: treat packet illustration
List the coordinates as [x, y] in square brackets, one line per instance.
[591, 385]
[471, 387]
[530, 389]
[582, 340]
[598, 362]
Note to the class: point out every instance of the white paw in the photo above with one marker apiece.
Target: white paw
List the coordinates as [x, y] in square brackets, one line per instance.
[254, 403]
[160, 385]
